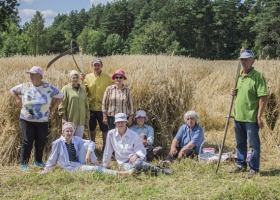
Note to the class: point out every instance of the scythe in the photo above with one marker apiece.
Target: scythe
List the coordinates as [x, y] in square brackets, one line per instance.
[74, 48]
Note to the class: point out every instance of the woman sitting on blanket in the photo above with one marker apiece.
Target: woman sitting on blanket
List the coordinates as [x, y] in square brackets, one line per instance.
[188, 139]
[75, 154]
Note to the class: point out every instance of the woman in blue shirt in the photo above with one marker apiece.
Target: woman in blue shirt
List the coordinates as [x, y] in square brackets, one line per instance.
[188, 139]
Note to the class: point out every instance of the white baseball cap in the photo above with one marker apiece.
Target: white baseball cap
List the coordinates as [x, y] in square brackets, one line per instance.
[246, 54]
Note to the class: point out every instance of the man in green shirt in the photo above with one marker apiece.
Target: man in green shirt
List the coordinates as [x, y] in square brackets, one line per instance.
[96, 84]
[251, 99]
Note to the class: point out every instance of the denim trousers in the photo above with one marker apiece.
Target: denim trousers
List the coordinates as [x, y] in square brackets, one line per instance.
[98, 169]
[84, 167]
[247, 132]
[83, 152]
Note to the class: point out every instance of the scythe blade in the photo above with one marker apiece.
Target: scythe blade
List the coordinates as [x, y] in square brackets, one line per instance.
[69, 51]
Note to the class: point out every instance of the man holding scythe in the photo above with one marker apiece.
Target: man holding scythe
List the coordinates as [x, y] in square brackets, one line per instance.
[251, 98]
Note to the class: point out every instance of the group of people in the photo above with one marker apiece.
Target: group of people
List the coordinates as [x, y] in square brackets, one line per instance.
[105, 100]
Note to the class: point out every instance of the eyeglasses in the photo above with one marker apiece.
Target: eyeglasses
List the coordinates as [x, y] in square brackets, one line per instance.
[118, 77]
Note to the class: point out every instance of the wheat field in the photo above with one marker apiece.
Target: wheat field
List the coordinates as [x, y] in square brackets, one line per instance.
[165, 87]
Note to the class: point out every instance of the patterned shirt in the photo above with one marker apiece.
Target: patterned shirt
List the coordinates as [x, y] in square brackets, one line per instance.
[71, 152]
[36, 100]
[117, 101]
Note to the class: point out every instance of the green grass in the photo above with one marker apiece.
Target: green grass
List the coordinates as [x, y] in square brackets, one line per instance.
[192, 180]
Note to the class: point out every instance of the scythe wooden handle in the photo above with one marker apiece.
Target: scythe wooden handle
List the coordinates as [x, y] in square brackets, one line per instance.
[228, 118]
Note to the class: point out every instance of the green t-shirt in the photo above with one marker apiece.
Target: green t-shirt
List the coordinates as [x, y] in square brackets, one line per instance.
[249, 90]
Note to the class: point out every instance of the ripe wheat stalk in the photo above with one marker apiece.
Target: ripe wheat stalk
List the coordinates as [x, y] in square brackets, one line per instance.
[166, 87]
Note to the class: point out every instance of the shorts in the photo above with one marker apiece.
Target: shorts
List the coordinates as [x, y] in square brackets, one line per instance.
[97, 116]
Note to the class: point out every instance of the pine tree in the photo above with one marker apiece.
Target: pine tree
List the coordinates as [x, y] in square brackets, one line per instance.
[267, 30]
[35, 33]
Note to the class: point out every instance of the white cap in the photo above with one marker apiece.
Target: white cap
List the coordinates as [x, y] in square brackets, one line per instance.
[140, 113]
[120, 117]
[246, 54]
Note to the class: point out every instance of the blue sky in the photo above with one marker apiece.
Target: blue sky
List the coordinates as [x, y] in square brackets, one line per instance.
[51, 8]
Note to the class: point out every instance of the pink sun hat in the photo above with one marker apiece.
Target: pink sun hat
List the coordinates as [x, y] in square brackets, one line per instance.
[119, 72]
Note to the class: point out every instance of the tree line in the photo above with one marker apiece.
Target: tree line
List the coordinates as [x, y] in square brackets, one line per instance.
[208, 29]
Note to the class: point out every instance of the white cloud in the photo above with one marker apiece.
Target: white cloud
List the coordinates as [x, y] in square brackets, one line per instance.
[27, 1]
[26, 13]
[48, 22]
[49, 13]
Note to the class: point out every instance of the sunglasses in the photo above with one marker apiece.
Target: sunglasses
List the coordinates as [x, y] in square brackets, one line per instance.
[118, 77]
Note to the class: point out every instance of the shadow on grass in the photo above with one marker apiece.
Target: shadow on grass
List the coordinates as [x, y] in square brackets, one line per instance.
[272, 172]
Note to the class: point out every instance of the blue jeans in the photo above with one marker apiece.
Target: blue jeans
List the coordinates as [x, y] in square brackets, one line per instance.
[83, 153]
[84, 167]
[98, 169]
[247, 131]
